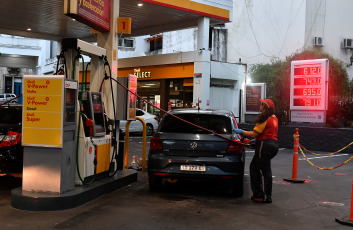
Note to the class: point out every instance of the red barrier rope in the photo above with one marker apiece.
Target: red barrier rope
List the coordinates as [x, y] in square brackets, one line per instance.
[11, 100]
[172, 114]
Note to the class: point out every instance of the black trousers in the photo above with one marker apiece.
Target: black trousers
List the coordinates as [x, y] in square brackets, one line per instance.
[260, 168]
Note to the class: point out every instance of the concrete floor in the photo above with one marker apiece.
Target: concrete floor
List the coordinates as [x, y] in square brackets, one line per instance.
[315, 204]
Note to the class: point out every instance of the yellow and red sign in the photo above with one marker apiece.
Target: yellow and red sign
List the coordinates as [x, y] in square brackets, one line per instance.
[124, 25]
[95, 14]
[42, 116]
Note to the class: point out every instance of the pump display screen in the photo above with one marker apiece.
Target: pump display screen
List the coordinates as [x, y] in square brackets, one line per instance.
[309, 84]
[98, 114]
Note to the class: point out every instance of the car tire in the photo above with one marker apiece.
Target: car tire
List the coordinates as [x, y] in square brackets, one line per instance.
[149, 130]
[155, 183]
[238, 186]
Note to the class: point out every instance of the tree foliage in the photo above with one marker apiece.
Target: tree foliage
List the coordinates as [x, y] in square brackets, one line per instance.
[276, 75]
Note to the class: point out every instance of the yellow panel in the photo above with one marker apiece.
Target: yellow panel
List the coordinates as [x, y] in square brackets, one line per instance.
[42, 103]
[194, 7]
[43, 137]
[43, 86]
[124, 25]
[103, 158]
[42, 120]
[88, 77]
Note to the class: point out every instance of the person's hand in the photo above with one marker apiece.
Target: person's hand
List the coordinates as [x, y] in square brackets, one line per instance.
[238, 131]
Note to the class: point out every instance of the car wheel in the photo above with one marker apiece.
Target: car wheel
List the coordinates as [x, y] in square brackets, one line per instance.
[238, 186]
[149, 130]
[155, 183]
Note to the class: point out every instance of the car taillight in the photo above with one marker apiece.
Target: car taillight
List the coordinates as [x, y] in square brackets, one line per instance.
[235, 147]
[156, 118]
[156, 144]
[10, 139]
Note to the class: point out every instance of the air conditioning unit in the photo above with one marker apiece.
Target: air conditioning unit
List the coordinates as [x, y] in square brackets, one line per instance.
[348, 43]
[318, 41]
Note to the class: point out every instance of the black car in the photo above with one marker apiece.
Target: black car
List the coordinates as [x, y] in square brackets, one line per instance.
[182, 150]
[11, 151]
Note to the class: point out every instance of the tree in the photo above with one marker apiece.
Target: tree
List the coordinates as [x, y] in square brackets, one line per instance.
[276, 75]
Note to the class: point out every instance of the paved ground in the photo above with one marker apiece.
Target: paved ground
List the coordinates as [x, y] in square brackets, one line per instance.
[200, 205]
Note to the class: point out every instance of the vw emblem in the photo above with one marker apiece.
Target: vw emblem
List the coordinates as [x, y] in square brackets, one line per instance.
[193, 145]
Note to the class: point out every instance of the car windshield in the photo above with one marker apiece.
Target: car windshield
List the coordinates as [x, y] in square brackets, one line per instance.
[217, 123]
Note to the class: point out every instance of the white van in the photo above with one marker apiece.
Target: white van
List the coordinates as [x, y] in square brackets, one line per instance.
[4, 97]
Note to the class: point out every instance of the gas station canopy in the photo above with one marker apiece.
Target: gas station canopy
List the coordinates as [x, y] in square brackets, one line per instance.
[46, 19]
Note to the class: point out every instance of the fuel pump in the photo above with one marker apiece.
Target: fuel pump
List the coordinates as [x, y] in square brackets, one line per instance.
[48, 133]
[96, 145]
[66, 137]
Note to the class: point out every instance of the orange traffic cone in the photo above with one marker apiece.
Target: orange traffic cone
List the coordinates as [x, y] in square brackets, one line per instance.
[295, 160]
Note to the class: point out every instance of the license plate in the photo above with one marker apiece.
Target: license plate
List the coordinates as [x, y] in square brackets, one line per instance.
[195, 168]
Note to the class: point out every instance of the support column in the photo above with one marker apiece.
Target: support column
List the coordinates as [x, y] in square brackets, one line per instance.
[202, 65]
[164, 95]
[109, 41]
[203, 34]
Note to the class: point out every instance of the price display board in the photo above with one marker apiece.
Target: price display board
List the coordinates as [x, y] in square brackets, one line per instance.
[308, 90]
[309, 84]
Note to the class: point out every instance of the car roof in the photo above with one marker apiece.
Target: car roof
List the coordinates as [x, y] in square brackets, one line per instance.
[201, 111]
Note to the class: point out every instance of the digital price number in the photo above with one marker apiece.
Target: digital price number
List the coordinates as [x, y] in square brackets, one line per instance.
[308, 70]
[307, 102]
[307, 92]
[308, 84]
[307, 81]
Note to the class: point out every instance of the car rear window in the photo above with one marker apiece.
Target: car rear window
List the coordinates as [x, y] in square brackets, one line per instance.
[217, 123]
[10, 115]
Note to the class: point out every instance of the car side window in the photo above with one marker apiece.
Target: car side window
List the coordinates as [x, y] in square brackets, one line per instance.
[139, 113]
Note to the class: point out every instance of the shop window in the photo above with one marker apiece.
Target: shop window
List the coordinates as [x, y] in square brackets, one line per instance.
[126, 43]
[156, 42]
[53, 49]
[181, 94]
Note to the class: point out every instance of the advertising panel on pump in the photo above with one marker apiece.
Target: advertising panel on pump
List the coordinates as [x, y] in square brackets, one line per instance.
[42, 115]
[131, 111]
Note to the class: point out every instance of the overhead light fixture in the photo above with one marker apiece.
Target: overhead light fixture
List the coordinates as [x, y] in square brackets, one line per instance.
[29, 29]
[140, 4]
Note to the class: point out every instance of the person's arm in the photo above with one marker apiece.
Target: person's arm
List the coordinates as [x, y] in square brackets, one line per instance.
[251, 134]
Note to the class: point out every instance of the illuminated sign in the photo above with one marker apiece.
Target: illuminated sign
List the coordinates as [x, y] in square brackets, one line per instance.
[95, 14]
[309, 84]
[42, 115]
[253, 93]
[139, 74]
[131, 113]
[308, 90]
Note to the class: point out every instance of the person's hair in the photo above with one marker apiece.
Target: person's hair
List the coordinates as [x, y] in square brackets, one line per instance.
[262, 117]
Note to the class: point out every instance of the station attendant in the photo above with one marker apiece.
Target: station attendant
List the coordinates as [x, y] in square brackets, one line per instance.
[266, 147]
